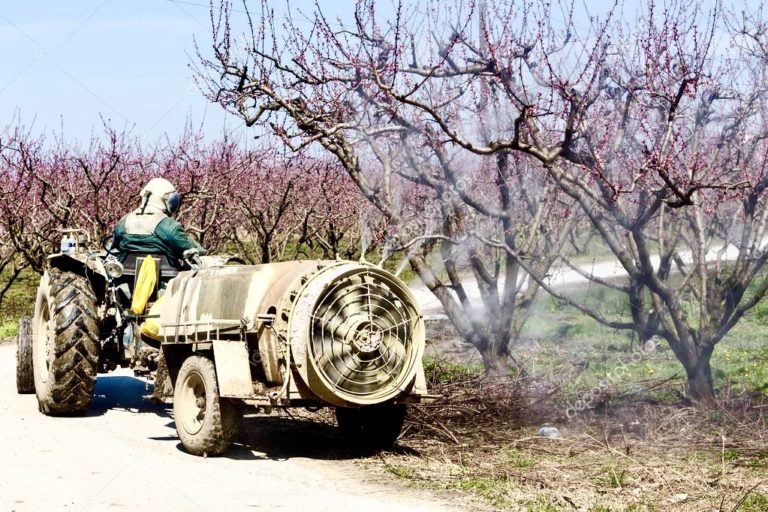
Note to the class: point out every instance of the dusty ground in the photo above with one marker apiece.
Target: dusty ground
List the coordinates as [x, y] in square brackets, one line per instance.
[125, 455]
[631, 455]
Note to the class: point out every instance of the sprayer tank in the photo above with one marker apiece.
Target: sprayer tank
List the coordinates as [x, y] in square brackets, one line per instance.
[350, 332]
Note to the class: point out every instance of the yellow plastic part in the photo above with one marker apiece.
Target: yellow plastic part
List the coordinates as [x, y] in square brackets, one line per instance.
[145, 285]
[151, 326]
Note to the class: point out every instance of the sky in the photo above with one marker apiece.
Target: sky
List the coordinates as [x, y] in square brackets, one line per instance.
[68, 64]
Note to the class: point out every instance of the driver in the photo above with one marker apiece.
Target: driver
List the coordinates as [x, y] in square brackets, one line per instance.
[151, 228]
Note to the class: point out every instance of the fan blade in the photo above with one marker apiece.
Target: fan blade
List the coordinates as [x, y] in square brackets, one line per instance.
[333, 363]
[393, 353]
[328, 330]
[342, 303]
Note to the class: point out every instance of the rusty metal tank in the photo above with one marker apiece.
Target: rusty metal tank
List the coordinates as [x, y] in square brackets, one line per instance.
[344, 333]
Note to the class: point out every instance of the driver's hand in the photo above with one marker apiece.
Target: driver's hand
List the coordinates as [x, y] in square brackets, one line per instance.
[191, 253]
[192, 258]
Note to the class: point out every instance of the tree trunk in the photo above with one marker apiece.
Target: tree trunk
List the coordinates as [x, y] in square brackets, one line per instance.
[495, 364]
[700, 384]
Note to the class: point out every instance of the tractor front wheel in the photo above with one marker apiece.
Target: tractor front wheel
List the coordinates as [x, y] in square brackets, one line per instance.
[205, 422]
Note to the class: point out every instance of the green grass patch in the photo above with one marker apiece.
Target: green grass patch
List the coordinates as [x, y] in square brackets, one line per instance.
[740, 362]
[400, 471]
[758, 464]
[438, 370]
[613, 477]
[543, 504]
[760, 312]
[519, 460]
[593, 356]
[9, 329]
[493, 490]
[19, 301]
[755, 503]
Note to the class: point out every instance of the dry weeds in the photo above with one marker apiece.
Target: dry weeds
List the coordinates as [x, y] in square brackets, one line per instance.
[482, 437]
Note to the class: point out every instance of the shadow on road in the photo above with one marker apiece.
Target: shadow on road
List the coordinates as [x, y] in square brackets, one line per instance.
[124, 392]
[261, 437]
[281, 438]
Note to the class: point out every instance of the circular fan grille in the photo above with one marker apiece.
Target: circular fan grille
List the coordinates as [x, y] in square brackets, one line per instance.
[362, 335]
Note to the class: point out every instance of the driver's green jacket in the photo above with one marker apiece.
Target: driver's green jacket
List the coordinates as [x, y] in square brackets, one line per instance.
[152, 233]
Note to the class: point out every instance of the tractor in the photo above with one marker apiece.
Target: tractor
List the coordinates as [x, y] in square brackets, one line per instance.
[310, 333]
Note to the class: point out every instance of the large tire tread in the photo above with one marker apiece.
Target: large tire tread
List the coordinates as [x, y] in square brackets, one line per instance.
[72, 372]
[222, 416]
[25, 375]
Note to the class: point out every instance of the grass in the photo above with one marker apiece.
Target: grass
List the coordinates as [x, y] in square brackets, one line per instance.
[9, 329]
[19, 301]
[399, 471]
[591, 354]
[519, 460]
[613, 477]
[445, 371]
[493, 490]
[678, 465]
[755, 503]
[543, 504]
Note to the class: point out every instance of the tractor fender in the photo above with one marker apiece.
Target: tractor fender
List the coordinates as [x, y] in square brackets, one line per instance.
[84, 264]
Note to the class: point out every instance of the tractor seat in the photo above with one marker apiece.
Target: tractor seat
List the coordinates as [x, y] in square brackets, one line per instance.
[132, 264]
[133, 261]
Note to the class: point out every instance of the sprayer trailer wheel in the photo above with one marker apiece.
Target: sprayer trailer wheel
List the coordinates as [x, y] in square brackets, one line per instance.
[205, 422]
[373, 426]
[25, 374]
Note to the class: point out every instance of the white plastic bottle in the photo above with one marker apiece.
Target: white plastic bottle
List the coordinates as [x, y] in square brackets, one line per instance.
[68, 243]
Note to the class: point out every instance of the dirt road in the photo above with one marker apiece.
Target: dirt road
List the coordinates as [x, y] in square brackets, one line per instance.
[124, 455]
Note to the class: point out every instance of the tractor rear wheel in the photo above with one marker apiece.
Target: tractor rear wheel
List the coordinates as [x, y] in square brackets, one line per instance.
[372, 426]
[25, 375]
[205, 422]
[65, 345]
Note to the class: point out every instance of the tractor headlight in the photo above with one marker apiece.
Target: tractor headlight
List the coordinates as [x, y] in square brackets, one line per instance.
[113, 268]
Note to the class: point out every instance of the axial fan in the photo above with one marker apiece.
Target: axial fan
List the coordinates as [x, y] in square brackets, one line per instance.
[360, 332]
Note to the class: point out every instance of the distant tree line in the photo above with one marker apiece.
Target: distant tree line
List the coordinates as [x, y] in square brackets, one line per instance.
[259, 203]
